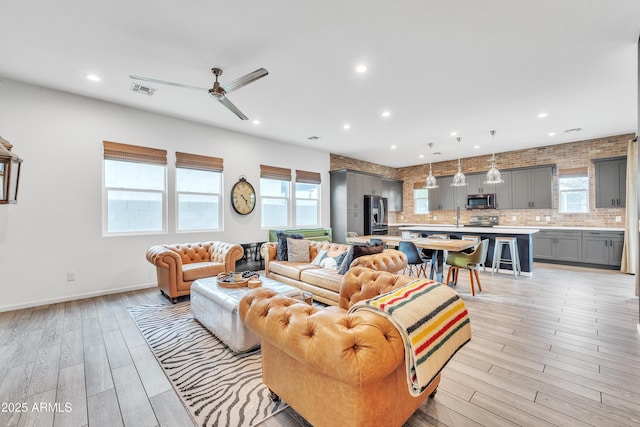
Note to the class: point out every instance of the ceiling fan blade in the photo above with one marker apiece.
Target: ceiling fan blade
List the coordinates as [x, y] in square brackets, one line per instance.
[245, 80]
[163, 82]
[225, 101]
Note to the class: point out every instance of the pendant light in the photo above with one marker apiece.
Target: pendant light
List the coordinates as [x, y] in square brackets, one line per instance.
[459, 180]
[431, 180]
[493, 175]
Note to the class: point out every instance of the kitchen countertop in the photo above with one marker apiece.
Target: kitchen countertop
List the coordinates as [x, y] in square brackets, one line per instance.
[541, 227]
[490, 230]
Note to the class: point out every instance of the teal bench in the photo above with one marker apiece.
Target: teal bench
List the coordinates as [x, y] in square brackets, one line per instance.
[315, 234]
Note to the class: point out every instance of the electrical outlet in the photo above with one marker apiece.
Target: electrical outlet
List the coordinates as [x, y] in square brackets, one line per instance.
[547, 218]
[537, 217]
[435, 217]
[71, 276]
[514, 218]
[618, 219]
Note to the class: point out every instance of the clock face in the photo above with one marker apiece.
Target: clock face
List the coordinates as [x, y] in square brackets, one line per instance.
[243, 197]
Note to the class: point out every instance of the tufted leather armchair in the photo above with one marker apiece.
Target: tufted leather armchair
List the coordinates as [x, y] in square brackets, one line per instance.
[334, 368]
[178, 266]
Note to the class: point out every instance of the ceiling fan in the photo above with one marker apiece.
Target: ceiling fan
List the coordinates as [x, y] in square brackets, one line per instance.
[218, 91]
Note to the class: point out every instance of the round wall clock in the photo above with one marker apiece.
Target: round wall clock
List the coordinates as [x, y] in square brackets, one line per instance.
[243, 197]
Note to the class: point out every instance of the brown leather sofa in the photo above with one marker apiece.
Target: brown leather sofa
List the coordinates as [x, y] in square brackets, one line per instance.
[324, 283]
[334, 368]
[178, 266]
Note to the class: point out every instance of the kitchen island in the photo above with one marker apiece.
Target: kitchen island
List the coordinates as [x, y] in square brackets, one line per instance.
[523, 235]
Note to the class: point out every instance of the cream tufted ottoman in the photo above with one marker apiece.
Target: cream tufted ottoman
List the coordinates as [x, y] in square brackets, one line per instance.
[216, 308]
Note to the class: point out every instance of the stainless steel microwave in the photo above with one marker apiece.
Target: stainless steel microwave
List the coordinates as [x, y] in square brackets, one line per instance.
[481, 201]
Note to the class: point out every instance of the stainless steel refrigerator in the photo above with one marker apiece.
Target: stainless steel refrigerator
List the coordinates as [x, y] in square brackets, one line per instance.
[375, 215]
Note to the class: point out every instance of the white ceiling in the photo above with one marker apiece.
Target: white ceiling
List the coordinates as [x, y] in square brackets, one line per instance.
[438, 66]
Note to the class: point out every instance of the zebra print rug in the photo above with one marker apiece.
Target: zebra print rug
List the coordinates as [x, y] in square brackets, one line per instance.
[217, 386]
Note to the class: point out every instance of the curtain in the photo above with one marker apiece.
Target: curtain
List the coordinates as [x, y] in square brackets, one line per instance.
[630, 249]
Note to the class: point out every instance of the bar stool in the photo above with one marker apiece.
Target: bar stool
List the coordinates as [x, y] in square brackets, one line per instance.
[514, 260]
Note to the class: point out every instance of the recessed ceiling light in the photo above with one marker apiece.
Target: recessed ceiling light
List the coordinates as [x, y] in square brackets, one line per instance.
[361, 68]
[551, 134]
[393, 147]
[386, 113]
[256, 122]
[476, 147]
[421, 156]
[347, 126]
[542, 115]
[454, 133]
[93, 77]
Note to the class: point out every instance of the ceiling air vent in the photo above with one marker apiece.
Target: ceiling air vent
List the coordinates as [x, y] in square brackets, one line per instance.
[572, 130]
[145, 90]
[313, 138]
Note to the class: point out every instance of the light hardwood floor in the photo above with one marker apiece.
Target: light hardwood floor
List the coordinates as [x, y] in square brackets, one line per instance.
[559, 348]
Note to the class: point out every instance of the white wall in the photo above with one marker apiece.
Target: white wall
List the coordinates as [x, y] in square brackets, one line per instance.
[57, 224]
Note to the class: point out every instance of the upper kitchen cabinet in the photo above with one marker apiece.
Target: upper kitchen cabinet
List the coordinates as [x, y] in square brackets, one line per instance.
[371, 184]
[392, 190]
[531, 188]
[447, 197]
[476, 185]
[503, 192]
[611, 182]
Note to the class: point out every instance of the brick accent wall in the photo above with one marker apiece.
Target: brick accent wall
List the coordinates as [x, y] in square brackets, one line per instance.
[565, 156]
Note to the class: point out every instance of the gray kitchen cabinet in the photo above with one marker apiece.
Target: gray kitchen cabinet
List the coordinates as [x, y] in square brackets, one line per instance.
[602, 247]
[355, 190]
[532, 188]
[392, 190]
[503, 192]
[447, 198]
[372, 185]
[355, 222]
[476, 185]
[558, 245]
[611, 182]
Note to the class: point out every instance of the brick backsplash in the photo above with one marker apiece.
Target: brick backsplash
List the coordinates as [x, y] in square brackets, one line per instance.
[565, 156]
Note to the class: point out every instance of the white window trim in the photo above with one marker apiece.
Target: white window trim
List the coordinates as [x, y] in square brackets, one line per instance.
[318, 208]
[105, 206]
[415, 205]
[289, 207]
[585, 191]
[220, 208]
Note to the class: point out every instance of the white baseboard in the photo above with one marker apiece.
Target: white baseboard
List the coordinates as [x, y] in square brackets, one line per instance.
[77, 297]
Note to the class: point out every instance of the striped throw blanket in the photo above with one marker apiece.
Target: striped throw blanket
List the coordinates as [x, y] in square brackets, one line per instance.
[433, 322]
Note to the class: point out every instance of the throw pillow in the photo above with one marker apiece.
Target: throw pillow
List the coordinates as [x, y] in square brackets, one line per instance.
[361, 250]
[322, 254]
[333, 262]
[283, 253]
[297, 250]
[346, 262]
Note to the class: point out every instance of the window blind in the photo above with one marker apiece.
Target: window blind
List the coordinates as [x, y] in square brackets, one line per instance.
[583, 171]
[196, 161]
[273, 172]
[133, 153]
[307, 177]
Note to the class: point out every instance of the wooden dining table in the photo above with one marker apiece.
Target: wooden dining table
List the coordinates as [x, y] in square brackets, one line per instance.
[438, 246]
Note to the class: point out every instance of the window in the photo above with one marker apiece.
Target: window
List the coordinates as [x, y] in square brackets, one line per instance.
[307, 203]
[274, 196]
[420, 199]
[198, 192]
[573, 189]
[134, 196]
